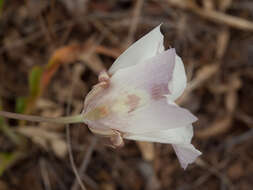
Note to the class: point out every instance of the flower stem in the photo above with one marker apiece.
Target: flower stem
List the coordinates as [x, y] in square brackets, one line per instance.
[60, 120]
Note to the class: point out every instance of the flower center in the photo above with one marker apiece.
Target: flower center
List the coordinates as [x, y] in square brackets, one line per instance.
[97, 113]
[129, 101]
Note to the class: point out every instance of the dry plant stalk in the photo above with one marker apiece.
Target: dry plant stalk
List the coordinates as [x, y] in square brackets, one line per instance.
[213, 15]
[219, 126]
[147, 150]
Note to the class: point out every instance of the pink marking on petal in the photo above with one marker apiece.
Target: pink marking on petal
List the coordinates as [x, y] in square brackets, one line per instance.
[158, 90]
[133, 102]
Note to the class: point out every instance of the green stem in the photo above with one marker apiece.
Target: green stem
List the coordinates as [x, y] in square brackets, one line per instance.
[60, 120]
[11, 134]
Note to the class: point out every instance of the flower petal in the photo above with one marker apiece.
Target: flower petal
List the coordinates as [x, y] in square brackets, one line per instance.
[150, 78]
[180, 138]
[156, 70]
[143, 49]
[158, 116]
[179, 80]
[181, 135]
[135, 100]
[154, 116]
[186, 154]
[152, 75]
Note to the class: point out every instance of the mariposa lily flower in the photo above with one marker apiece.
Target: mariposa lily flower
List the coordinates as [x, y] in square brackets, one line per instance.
[136, 99]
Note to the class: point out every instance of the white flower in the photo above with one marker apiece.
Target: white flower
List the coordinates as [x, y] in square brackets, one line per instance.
[135, 100]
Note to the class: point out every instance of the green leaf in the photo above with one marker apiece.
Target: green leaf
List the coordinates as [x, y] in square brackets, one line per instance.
[1, 6]
[7, 159]
[34, 81]
[1, 121]
[20, 104]
[1, 118]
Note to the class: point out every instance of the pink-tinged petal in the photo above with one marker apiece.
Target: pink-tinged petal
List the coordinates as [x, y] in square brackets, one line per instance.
[154, 116]
[153, 75]
[135, 100]
[180, 138]
[181, 135]
[149, 79]
[186, 154]
[158, 115]
[179, 80]
[143, 49]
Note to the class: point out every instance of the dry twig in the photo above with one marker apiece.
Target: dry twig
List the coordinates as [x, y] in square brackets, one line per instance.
[85, 162]
[73, 165]
[213, 15]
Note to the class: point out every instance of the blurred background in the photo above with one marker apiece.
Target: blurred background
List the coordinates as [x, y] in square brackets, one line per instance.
[50, 54]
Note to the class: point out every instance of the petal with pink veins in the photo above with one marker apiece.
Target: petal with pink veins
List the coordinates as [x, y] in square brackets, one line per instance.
[149, 80]
[145, 85]
[153, 75]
